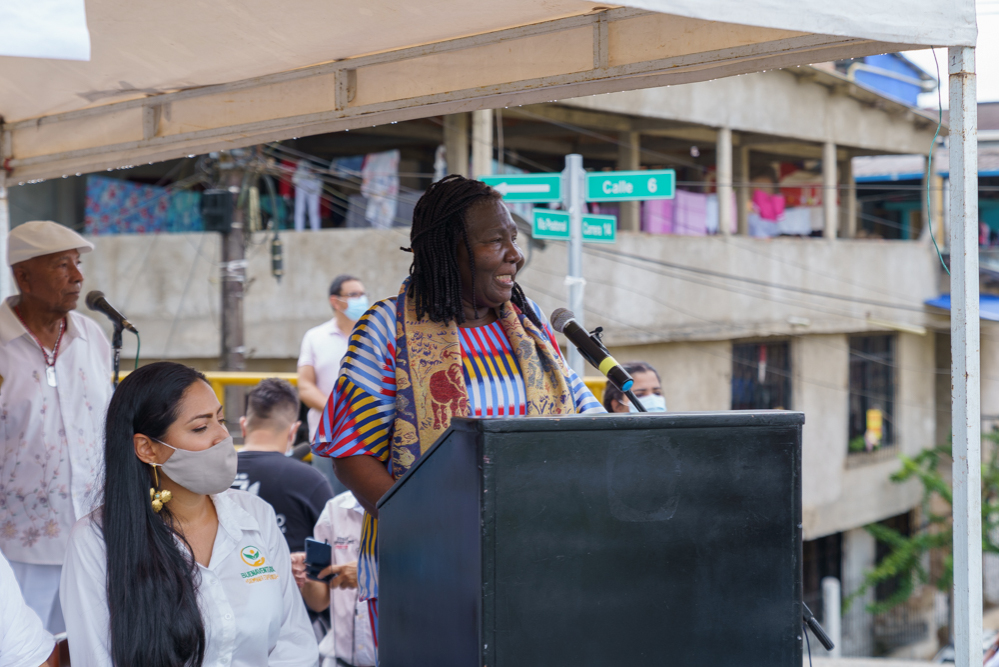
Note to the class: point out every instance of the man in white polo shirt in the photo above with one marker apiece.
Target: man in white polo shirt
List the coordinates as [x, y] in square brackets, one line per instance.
[323, 348]
[55, 385]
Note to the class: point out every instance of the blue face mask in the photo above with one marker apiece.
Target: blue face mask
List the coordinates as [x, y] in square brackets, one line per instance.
[651, 402]
[356, 307]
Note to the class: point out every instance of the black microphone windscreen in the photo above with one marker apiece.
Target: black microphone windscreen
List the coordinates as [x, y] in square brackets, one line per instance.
[93, 297]
[560, 317]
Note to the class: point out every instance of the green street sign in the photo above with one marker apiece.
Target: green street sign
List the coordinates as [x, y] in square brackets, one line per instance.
[599, 229]
[554, 226]
[630, 185]
[551, 225]
[540, 188]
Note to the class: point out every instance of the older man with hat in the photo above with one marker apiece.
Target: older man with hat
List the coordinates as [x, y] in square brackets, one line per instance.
[55, 384]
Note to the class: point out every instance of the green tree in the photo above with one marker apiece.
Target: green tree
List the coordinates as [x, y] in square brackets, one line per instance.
[904, 563]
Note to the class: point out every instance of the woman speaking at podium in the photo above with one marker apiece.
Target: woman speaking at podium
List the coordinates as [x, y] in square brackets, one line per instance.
[460, 339]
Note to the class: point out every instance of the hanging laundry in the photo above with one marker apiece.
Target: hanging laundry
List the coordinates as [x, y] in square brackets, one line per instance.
[761, 227]
[770, 207]
[440, 163]
[307, 190]
[797, 221]
[767, 212]
[348, 168]
[287, 168]
[380, 185]
[184, 213]
[657, 216]
[114, 206]
[690, 214]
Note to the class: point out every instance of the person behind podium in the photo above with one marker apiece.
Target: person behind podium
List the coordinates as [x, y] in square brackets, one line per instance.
[174, 567]
[647, 388]
[459, 340]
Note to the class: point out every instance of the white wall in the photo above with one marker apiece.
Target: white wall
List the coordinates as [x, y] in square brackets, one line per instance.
[777, 103]
[839, 491]
[170, 282]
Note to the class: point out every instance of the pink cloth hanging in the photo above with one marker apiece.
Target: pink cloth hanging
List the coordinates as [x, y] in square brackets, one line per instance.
[657, 216]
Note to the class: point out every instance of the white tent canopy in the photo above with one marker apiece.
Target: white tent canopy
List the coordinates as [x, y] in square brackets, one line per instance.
[174, 78]
[170, 79]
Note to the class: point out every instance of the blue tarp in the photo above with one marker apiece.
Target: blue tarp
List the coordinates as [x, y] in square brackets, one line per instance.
[988, 305]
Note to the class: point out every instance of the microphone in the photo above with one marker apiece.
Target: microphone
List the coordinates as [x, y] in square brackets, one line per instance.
[564, 321]
[97, 303]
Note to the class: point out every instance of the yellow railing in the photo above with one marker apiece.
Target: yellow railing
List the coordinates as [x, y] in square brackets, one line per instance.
[219, 380]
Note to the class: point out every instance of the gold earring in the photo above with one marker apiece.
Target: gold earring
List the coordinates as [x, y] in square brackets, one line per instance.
[158, 498]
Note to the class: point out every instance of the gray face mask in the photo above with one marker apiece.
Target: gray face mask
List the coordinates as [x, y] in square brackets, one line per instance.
[208, 471]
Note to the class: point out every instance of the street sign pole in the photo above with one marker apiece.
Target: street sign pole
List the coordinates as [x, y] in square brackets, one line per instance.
[574, 202]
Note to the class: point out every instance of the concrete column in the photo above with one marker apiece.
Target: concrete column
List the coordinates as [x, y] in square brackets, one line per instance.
[829, 189]
[723, 158]
[924, 205]
[849, 198]
[456, 143]
[859, 553]
[629, 159]
[482, 143]
[965, 360]
[742, 191]
[831, 613]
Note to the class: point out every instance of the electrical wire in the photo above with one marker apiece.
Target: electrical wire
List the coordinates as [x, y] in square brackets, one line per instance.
[752, 281]
[929, 166]
[138, 346]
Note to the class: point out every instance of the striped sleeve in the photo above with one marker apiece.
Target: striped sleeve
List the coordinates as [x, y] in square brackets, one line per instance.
[359, 414]
[581, 395]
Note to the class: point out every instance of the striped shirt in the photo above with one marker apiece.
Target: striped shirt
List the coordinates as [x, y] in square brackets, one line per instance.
[359, 415]
[361, 410]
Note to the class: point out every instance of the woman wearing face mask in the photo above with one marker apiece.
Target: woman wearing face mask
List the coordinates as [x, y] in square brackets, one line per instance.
[647, 388]
[174, 568]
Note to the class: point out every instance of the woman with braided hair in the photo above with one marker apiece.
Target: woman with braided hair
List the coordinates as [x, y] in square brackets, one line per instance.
[460, 339]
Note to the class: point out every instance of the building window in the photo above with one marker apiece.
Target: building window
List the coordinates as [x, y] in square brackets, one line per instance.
[821, 558]
[761, 376]
[872, 392]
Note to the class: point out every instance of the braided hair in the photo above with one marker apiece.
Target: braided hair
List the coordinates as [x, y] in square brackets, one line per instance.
[439, 223]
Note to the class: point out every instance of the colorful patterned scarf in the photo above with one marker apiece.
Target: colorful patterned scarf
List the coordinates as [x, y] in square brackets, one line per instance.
[430, 383]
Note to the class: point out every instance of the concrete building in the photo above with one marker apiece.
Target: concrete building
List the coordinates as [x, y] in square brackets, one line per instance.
[824, 323]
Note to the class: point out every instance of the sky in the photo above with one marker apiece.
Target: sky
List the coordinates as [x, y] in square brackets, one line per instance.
[986, 58]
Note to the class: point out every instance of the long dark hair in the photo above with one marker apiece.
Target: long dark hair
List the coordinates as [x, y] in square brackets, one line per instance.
[438, 225]
[612, 393]
[152, 588]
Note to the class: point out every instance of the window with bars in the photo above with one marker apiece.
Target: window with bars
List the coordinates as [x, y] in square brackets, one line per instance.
[761, 376]
[872, 392]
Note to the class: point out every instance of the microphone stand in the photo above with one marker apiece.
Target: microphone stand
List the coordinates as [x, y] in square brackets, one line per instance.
[116, 344]
[595, 336]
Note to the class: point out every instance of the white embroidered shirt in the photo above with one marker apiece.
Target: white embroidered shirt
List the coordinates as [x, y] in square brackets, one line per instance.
[51, 438]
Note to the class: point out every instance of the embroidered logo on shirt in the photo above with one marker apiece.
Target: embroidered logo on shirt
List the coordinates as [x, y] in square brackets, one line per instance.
[252, 556]
[255, 559]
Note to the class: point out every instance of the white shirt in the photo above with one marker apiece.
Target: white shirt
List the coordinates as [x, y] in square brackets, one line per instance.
[51, 438]
[350, 636]
[23, 640]
[251, 607]
[323, 348]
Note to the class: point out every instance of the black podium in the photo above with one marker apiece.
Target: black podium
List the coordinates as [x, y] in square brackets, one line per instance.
[669, 539]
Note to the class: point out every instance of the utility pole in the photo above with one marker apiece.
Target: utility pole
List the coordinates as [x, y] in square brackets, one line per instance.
[233, 273]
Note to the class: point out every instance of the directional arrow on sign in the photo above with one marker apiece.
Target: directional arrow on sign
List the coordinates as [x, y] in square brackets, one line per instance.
[513, 188]
[537, 188]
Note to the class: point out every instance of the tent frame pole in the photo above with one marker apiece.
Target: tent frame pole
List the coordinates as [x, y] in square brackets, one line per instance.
[966, 369]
